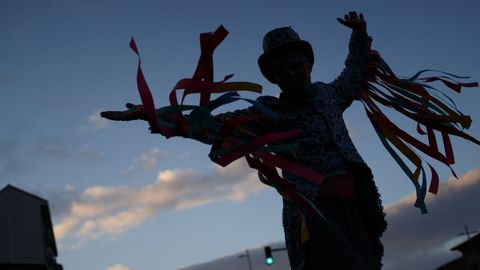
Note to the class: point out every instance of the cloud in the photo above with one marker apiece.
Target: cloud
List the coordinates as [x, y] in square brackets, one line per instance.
[59, 199]
[88, 152]
[148, 160]
[96, 122]
[62, 229]
[15, 156]
[118, 267]
[412, 241]
[109, 211]
[54, 146]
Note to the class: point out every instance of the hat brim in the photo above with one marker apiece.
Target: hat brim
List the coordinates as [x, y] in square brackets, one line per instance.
[265, 60]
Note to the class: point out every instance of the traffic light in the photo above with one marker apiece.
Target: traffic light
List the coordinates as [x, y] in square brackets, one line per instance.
[268, 256]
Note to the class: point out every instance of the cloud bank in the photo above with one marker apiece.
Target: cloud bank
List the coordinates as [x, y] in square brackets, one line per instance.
[415, 241]
[148, 160]
[108, 211]
[96, 121]
[412, 241]
[118, 267]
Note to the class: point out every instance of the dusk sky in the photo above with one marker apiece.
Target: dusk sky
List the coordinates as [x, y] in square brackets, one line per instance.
[124, 199]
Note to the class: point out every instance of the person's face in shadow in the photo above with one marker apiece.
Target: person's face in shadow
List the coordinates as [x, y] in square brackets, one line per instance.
[292, 72]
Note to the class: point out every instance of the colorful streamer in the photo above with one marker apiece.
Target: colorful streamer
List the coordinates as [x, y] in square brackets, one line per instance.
[259, 150]
[415, 99]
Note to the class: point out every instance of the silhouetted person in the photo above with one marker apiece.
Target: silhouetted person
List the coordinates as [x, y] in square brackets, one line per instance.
[349, 238]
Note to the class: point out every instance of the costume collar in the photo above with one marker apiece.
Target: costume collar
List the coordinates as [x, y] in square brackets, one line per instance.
[309, 94]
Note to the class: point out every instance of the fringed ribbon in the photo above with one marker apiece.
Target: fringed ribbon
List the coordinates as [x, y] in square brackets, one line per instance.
[414, 98]
[258, 150]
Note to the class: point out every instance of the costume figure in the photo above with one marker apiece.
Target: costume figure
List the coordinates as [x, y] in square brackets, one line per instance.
[332, 212]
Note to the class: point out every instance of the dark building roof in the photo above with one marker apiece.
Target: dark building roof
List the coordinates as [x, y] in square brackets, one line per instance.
[45, 212]
[465, 247]
[13, 188]
[457, 264]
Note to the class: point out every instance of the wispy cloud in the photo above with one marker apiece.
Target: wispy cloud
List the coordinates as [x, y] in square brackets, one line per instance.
[59, 198]
[96, 121]
[109, 211]
[54, 146]
[414, 241]
[148, 161]
[119, 267]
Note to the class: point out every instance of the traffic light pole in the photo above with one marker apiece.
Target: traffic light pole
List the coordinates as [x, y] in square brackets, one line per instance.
[247, 254]
[268, 254]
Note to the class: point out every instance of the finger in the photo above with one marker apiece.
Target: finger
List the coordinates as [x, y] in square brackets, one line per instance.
[346, 17]
[340, 20]
[112, 115]
[361, 17]
[130, 105]
[353, 16]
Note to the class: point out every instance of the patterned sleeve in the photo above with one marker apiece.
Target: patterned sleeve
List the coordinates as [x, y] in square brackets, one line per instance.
[348, 84]
[202, 118]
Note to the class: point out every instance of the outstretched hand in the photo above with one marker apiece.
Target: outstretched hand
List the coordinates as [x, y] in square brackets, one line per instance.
[134, 112]
[356, 22]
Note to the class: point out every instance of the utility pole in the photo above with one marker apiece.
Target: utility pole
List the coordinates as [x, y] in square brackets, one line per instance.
[247, 254]
[469, 240]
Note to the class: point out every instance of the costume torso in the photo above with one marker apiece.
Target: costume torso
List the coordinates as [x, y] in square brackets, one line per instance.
[324, 142]
[317, 149]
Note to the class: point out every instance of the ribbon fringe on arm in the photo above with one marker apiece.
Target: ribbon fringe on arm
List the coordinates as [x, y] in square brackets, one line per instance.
[414, 97]
[418, 100]
[259, 151]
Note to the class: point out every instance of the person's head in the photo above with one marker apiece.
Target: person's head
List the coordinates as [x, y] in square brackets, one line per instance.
[287, 60]
[291, 72]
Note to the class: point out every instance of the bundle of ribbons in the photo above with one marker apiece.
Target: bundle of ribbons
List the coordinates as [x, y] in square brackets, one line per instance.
[422, 103]
[409, 96]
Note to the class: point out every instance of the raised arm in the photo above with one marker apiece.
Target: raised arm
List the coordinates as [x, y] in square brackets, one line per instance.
[351, 80]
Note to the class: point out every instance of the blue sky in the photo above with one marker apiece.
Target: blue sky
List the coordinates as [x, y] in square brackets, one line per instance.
[122, 196]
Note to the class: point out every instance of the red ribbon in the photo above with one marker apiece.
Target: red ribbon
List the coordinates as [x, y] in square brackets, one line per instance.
[202, 79]
[146, 95]
[291, 167]
[253, 146]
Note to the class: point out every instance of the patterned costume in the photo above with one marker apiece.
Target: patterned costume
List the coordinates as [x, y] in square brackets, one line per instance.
[325, 147]
[332, 214]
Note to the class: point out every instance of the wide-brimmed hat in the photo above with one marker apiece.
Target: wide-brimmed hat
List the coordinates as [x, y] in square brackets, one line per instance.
[279, 40]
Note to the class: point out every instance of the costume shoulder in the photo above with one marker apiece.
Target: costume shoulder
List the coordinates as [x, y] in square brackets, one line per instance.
[318, 86]
[269, 101]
